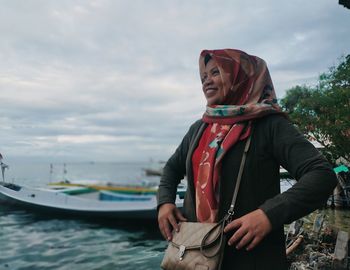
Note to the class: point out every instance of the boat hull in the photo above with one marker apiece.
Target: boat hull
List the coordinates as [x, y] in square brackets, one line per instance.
[59, 203]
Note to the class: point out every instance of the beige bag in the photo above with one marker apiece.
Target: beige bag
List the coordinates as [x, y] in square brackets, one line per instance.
[195, 246]
[200, 246]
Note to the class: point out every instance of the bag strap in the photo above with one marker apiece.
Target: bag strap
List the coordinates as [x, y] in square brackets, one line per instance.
[221, 224]
[230, 212]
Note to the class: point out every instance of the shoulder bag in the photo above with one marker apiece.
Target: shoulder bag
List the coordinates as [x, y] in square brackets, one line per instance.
[200, 246]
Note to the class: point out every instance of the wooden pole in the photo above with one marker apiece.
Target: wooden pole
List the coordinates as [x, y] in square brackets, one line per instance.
[340, 260]
[295, 244]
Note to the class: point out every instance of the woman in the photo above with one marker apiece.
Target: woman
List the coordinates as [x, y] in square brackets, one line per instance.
[241, 102]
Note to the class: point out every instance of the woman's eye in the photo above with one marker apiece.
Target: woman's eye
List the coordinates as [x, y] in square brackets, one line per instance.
[216, 72]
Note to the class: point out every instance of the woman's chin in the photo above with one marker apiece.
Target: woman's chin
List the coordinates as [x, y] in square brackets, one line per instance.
[213, 101]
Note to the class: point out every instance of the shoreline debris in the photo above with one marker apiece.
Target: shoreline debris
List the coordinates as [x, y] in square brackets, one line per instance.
[323, 247]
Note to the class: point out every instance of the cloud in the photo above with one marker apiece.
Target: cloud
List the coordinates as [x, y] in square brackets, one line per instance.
[116, 80]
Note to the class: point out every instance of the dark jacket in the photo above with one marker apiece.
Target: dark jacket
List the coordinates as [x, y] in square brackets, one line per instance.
[275, 142]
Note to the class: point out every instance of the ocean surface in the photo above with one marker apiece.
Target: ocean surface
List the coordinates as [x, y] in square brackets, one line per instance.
[37, 241]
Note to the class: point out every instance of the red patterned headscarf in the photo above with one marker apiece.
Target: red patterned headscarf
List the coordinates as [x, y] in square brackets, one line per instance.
[248, 94]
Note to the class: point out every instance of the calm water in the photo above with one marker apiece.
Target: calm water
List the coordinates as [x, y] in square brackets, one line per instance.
[35, 241]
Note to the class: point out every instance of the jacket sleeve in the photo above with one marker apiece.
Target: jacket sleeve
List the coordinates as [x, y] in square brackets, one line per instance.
[314, 175]
[175, 170]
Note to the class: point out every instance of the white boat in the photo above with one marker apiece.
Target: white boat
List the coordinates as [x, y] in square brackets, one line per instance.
[79, 201]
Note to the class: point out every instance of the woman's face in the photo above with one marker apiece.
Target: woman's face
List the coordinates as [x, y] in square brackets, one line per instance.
[212, 84]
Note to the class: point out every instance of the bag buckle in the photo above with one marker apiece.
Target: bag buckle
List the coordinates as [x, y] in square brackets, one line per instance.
[182, 250]
[229, 216]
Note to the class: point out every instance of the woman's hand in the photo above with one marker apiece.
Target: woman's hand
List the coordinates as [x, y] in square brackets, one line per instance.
[250, 229]
[168, 217]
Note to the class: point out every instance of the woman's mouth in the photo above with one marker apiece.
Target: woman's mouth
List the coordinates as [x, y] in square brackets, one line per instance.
[210, 91]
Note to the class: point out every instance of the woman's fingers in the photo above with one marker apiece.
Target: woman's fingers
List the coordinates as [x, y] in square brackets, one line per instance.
[254, 243]
[246, 239]
[179, 215]
[168, 230]
[250, 229]
[173, 222]
[168, 217]
[241, 232]
[162, 229]
[233, 225]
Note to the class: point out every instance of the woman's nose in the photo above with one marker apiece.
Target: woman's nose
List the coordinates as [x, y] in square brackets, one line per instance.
[208, 81]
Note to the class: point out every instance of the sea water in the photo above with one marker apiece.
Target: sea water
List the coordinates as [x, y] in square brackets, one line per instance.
[36, 241]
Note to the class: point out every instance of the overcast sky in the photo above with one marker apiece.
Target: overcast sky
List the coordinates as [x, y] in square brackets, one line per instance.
[118, 80]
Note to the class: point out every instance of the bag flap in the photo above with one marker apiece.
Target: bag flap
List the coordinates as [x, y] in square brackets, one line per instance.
[191, 234]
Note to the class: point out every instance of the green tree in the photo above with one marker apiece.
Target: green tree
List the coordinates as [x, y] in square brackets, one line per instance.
[322, 112]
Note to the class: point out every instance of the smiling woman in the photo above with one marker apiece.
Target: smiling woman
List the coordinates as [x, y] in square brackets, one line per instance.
[241, 107]
[212, 83]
